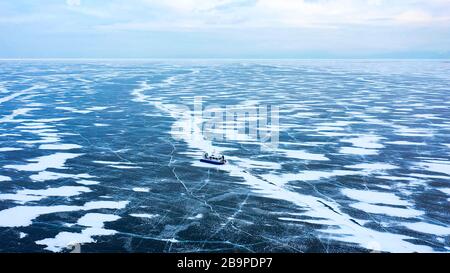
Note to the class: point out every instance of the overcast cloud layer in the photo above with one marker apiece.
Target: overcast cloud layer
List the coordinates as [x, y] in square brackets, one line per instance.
[225, 28]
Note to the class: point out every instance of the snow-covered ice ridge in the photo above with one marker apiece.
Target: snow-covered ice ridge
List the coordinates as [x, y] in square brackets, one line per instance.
[363, 162]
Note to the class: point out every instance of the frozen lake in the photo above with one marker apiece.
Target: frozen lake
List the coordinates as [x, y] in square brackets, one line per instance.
[89, 154]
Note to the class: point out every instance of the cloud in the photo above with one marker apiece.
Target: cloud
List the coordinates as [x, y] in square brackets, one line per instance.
[417, 17]
[203, 14]
[73, 3]
[241, 14]
[234, 27]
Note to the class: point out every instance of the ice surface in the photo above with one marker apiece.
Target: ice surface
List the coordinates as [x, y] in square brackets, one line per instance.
[74, 110]
[15, 113]
[20, 93]
[361, 163]
[274, 189]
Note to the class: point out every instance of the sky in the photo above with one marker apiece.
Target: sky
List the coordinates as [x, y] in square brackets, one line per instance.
[225, 29]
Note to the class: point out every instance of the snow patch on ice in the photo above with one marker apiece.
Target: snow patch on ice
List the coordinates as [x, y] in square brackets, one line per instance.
[358, 151]
[55, 161]
[8, 149]
[373, 167]
[87, 182]
[118, 165]
[406, 143]
[48, 176]
[366, 142]
[97, 108]
[59, 147]
[414, 132]
[23, 216]
[387, 210]
[141, 189]
[144, 215]
[95, 227]
[429, 228]
[4, 178]
[374, 197]
[24, 196]
[303, 155]
[436, 166]
[196, 217]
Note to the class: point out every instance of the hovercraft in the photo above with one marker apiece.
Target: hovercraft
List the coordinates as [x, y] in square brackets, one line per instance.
[214, 159]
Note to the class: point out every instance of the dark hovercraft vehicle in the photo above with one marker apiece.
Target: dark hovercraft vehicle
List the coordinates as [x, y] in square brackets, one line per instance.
[215, 159]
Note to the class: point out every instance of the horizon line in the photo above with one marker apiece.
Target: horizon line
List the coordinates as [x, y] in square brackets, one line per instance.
[215, 58]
